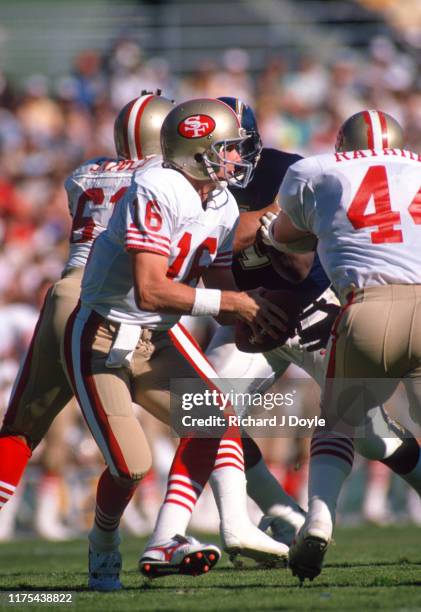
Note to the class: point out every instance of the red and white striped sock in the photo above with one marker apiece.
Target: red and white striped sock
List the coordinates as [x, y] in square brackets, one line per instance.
[190, 470]
[195, 458]
[14, 456]
[230, 454]
[331, 460]
[111, 501]
[229, 483]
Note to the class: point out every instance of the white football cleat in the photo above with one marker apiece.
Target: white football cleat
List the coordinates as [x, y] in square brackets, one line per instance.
[283, 529]
[104, 571]
[251, 542]
[181, 555]
[307, 552]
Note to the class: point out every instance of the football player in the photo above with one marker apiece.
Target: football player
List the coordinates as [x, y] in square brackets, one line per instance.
[174, 225]
[41, 389]
[360, 206]
[239, 535]
[384, 440]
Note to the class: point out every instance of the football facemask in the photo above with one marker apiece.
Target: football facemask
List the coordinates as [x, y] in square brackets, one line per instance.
[217, 159]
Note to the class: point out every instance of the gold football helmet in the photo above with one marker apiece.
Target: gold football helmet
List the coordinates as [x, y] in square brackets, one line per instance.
[196, 135]
[138, 125]
[369, 129]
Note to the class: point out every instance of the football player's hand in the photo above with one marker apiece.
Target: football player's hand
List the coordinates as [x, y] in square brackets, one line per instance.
[265, 221]
[315, 336]
[262, 315]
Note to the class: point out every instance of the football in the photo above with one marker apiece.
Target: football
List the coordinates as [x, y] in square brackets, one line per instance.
[291, 304]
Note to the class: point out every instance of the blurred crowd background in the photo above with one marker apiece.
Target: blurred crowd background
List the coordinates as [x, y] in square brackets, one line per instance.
[304, 67]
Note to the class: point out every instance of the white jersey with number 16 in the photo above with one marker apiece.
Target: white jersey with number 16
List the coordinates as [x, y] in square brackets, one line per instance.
[161, 213]
[365, 209]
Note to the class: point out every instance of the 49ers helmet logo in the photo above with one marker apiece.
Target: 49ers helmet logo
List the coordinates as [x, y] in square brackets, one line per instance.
[196, 126]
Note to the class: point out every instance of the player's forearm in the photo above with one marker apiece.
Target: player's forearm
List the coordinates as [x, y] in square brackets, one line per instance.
[171, 297]
[248, 225]
[282, 235]
[285, 232]
[215, 278]
[165, 296]
[290, 266]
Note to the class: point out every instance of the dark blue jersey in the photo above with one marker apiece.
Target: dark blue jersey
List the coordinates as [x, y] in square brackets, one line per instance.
[252, 267]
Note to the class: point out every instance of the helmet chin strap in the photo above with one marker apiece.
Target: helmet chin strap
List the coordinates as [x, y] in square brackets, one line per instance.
[219, 182]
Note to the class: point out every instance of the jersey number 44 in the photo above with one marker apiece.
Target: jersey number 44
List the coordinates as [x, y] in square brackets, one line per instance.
[375, 185]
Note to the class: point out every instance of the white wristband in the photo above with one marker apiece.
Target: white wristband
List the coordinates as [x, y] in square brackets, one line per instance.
[206, 302]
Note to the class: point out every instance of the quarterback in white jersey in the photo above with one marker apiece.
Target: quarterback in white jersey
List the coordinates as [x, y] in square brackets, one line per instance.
[162, 214]
[361, 206]
[174, 225]
[41, 389]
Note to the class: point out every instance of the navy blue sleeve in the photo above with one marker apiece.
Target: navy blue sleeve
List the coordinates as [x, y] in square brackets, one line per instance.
[267, 178]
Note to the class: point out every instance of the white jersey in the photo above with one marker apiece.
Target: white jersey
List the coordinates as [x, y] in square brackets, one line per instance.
[92, 191]
[365, 209]
[161, 213]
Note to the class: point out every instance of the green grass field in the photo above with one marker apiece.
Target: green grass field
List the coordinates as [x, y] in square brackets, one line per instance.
[367, 568]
